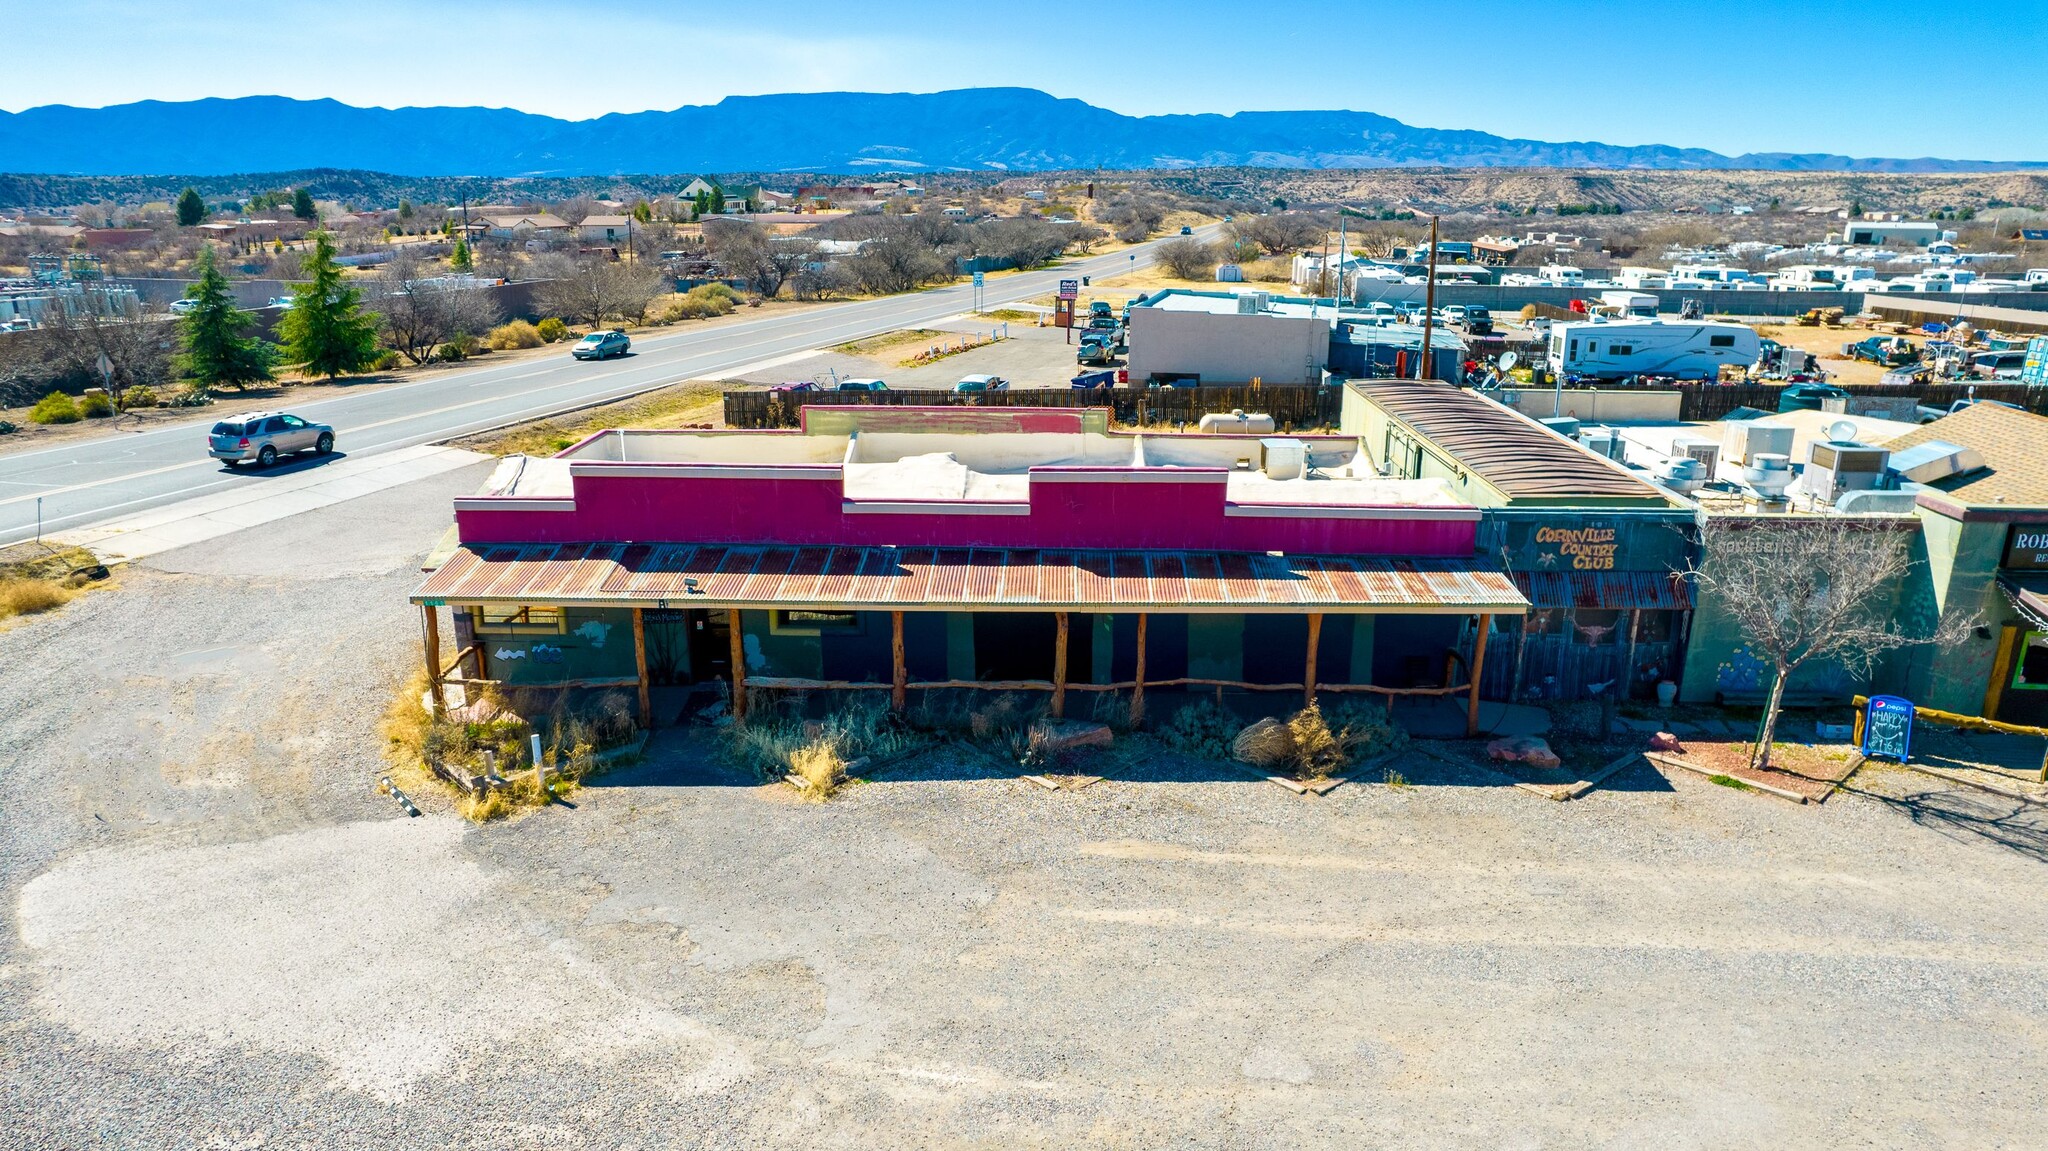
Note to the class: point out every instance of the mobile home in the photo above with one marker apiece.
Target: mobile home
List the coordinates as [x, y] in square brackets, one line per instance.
[1613, 349]
[1630, 305]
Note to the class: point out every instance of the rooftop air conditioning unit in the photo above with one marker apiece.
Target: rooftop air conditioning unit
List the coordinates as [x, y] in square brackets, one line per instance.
[1872, 503]
[1838, 466]
[1746, 439]
[1603, 441]
[1252, 303]
[1705, 451]
[1283, 458]
[1237, 422]
[1566, 426]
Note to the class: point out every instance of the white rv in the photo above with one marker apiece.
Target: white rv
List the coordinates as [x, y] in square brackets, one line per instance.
[1687, 350]
[1814, 278]
[1629, 305]
[1643, 279]
[1711, 277]
[1563, 275]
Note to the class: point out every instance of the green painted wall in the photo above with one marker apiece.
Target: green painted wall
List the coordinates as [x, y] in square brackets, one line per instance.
[597, 644]
[959, 645]
[1216, 647]
[1960, 576]
[791, 656]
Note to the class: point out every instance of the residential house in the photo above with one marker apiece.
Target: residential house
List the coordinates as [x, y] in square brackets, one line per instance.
[527, 226]
[605, 229]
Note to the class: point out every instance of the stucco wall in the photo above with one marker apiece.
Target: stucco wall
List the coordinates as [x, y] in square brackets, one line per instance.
[1228, 349]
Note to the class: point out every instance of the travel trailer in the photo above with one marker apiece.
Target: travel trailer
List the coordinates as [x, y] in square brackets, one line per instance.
[1643, 279]
[1563, 275]
[1816, 278]
[1629, 305]
[1711, 277]
[1618, 348]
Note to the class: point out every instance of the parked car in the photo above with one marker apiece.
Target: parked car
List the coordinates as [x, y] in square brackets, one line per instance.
[1478, 321]
[181, 307]
[861, 386]
[601, 345]
[2005, 365]
[1186, 231]
[1099, 308]
[1884, 351]
[981, 383]
[264, 436]
[789, 386]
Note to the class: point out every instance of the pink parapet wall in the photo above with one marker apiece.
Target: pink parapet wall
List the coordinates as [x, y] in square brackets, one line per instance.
[1090, 508]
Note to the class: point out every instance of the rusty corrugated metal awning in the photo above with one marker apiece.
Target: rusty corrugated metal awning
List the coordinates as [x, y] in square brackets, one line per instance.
[968, 579]
[1519, 457]
[1649, 591]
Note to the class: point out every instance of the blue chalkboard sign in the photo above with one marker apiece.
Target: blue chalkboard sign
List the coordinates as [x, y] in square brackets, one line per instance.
[1888, 727]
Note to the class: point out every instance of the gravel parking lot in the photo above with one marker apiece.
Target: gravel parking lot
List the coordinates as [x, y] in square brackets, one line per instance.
[1031, 357]
[216, 935]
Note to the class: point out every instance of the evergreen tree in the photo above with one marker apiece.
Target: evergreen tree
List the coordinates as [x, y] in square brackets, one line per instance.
[191, 209]
[717, 200]
[460, 259]
[302, 205]
[212, 349]
[326, 331]
[405, 209]
[643, 213]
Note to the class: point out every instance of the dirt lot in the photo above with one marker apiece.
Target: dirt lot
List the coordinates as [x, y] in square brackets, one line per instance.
[214, 935]
[1029, 357]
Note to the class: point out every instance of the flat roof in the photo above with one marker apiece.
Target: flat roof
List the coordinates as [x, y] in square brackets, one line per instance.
[1517, 456]
[947, 579]
[1979, 315]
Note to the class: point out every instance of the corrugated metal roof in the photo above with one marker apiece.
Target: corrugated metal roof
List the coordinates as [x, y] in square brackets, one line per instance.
[935, 579]
[1518, 457]
[1650, 591]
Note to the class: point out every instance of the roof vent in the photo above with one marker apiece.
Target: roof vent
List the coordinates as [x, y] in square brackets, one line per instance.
[1935, 460]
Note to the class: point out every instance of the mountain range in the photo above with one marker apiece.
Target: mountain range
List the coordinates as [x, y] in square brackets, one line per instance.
[976, 129]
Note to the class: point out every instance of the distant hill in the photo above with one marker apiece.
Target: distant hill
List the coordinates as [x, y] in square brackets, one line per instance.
[976, 129]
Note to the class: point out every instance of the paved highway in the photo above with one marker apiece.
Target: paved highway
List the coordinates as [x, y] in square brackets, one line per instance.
[90, 480]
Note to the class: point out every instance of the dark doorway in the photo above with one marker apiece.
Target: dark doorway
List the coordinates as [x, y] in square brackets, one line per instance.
[710, 645]
[1409, 650]
[1019, 645]
[668, 646]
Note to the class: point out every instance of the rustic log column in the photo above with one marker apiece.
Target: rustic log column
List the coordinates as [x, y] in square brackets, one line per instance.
[640, 663]
[432, 640]
[1059, 667]
[897, 691]
[739, 664]
[1478, 670]
[1308, 674]
[1138, 689]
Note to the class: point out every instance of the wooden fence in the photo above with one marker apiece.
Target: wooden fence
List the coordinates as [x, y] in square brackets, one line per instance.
[1294, 407]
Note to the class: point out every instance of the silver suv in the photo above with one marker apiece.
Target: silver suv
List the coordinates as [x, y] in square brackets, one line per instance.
[264, 436]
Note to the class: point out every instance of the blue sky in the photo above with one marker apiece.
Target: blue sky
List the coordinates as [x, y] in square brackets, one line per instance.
[1746, 75]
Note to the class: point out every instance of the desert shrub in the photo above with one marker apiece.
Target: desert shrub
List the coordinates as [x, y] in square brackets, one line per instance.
[702, 302]
[191, 397]
[96, 405]
[1317, 752]
[30, 596]
[386, 361]
[552, 329]
[1112, 710]
[451, 352]
[55, 408]
[1364, 730]
[1202, 729]
[139, 397]
[517, 334]
[819, 765]
[1312, 744]
[772, 739]
[1271, 270]
[1003, 721]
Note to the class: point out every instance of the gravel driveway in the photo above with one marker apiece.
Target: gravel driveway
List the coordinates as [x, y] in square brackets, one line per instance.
[216, 936]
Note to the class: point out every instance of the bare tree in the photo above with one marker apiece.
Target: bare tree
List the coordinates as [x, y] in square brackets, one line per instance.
[422, 310]
[1281, 233]
[1813, 589]
[137, 344]
[1188, 258]
[592, 290]
[752, 253]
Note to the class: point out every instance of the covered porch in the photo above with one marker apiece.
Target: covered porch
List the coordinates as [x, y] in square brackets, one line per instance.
[899, 620]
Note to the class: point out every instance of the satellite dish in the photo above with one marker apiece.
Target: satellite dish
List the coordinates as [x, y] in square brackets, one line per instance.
[1842, 431]
[1508, 360]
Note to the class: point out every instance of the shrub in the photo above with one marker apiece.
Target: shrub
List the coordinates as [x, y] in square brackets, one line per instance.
[55, 408]
[386, 361]
[552, 329]
[517, 334]
[96, 405]
[819, 765]
[451, 352]
[1364, 730]
[141, 397]
[1200, 729]
[192, 397]
[29, 596]
[1317, 751]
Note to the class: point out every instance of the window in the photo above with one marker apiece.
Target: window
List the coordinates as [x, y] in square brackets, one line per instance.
[1721, 341]
[501, 619]
[293, 422]
[1621, 349]
[2030, 670]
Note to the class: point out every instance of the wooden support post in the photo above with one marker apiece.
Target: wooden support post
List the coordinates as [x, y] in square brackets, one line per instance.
[739, 664]
[1308, 674]
[1138, 688]
[1478, 671]
[640, 664]
[1628, 667]
[897, 692]
[2001, 671]
[1059, 666]
[432, 640]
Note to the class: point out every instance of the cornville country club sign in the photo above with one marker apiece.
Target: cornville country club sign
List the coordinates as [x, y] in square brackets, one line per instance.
[1589, 549]
[1888, 727]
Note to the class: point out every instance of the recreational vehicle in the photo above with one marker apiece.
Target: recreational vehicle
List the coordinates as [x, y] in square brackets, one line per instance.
[1562, 275]
[1813, 278]
[1643, 279]
[1711, 277]
[1620, 348]
[1629, 305]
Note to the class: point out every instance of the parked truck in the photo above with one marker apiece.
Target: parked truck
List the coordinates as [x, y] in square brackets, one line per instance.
[1884, 351]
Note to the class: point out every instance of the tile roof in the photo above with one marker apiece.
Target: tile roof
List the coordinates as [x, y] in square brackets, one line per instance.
[1518, 456]
[2014, 444]
[939, 579]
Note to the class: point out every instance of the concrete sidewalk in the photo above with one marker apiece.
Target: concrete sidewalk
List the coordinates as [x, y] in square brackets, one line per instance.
[265, 498]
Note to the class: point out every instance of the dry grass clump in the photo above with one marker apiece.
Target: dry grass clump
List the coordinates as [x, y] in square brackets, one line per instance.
[31, 596]
[570, 740]
[821, 768]
[1312, 744]
[513, 336]
[778, 742]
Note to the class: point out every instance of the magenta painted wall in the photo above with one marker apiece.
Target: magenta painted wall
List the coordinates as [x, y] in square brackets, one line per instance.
[1112, 513]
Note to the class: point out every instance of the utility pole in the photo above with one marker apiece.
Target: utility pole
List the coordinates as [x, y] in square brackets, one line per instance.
[1428, 305]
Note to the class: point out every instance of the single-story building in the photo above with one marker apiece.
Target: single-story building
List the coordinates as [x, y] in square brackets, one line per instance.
[527, 226]
[605, 229]
[1228, 337]
[902, 550]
